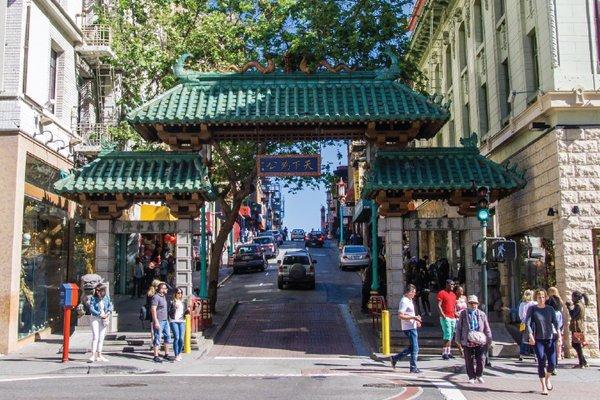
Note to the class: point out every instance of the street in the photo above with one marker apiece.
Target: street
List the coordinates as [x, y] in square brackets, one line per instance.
[292, 344]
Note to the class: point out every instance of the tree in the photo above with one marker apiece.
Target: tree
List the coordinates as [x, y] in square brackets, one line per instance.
[149, 35]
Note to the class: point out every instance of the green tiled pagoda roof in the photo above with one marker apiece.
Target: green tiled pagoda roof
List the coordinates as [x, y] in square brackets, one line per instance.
[142, 173]
[278, 98]
[438, 168]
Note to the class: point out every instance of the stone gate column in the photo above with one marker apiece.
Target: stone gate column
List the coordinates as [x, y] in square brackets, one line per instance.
[184, 257]
[105, 253]
[473, 270]
[392, 228]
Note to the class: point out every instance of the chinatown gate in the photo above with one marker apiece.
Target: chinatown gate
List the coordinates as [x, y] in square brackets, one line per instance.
[271, 105]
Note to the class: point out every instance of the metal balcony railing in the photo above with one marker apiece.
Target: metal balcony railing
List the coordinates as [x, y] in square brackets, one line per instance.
[97, 35]
[92, 135]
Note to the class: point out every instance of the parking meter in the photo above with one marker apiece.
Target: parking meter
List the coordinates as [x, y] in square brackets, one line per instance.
[69, 298]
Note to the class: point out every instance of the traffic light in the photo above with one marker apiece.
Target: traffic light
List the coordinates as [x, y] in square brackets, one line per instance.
[483, 205]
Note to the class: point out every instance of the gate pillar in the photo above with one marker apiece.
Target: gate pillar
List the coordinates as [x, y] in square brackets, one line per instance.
[473, 270]
[184, 261]
[105, 253]
[394, 262]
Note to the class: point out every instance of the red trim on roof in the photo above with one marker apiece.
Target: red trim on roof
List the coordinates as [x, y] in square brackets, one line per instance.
[414, 18]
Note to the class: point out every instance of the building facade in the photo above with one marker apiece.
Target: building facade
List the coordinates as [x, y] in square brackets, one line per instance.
[55, 99]
[525, 75]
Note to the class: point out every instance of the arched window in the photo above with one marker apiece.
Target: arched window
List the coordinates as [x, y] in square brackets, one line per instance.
[462, 47]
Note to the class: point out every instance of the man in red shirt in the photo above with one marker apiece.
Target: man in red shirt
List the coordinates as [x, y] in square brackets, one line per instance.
[447, 307]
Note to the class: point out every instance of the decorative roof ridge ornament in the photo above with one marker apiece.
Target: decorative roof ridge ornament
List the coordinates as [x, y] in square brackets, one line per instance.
[393, 71]
[254, 64]
[106, 147]
[470, 142]
[185, 75]
[339, 67]
[513, 169]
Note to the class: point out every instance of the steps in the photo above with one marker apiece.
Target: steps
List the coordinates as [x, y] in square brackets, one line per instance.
[140, 342]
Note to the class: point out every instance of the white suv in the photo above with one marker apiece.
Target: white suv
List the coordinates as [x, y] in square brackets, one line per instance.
[296, 267]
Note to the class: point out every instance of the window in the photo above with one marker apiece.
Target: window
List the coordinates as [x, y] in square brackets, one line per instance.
[451, 134]
[504, 91]
[52, 78]
[448, 60]
[483, 110]
[437, 86]
[479, 22]
[466, 120]
[462, 43]
[532, 72]
[499, 9]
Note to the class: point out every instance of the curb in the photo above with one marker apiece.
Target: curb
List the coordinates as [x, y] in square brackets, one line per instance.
[207, 342]
[225, 280]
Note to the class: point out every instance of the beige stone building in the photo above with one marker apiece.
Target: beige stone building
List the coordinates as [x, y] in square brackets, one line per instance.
[524, 75]
[56, 101]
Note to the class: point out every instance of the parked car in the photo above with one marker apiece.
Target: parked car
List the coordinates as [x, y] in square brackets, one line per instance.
[354, 256]
[248, 257]
[296, 267]
[268, 245]
[314, 239]
[297, 234]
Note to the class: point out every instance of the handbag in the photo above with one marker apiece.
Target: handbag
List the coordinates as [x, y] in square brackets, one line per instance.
[477, 338]
[579, 337]
[522, 327]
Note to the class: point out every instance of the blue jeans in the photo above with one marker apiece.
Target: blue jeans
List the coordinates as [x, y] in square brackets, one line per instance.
[412, 349]
[164, 331]
[178, 329]
[545, 351]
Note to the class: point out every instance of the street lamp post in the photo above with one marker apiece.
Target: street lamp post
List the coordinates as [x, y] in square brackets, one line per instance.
[341, 185]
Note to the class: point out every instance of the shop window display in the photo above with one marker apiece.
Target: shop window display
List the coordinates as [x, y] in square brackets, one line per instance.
[44, 259]
[535, 259]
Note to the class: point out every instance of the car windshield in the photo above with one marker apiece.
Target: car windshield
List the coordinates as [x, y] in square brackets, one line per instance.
[355, 249]
[263, 240]
[295, 259]
[247, 249]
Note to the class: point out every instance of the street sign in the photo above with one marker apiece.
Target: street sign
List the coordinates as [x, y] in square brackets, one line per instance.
[289, 165]
[504, 251]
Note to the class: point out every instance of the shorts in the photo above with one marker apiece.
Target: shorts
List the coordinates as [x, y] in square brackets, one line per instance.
[164, 330]
[448, 327]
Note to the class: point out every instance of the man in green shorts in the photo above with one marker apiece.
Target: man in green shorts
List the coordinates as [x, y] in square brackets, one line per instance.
[447, 307]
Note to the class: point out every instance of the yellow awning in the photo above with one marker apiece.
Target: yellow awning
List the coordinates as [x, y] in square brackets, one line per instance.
[151, 212]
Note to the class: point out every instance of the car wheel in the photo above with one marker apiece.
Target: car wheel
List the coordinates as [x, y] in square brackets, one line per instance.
[279, 283]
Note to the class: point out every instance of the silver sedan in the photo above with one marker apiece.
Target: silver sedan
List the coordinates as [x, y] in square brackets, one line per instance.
[354, 256]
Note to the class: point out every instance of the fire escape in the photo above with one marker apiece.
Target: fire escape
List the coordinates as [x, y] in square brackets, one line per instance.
[99, 84]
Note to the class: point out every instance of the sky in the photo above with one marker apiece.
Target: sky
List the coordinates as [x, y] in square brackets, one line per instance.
[303, 209]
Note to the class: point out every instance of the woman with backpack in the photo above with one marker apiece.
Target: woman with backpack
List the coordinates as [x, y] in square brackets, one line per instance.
[100, 309]
[177, 313]
[474, 334]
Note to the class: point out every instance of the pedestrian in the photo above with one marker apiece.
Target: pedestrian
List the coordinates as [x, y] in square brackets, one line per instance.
[474, 334]
[100, 309]
[461, 304]
[555, 301]
[138, 278]
[424, 291]
[542, 326]
[409, 322]
[149, 295]
[526, 301]
[164, 268]
[447, 308]
[577, 325]
[177, 312]
[160, 321]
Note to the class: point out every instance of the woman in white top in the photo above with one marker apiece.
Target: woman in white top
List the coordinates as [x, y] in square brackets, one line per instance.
[526, 302]
[177, 312]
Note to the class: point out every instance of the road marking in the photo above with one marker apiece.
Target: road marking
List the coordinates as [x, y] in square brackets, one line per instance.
[448, 390]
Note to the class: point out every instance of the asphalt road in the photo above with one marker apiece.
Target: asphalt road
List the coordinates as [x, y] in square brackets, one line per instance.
[280, 344]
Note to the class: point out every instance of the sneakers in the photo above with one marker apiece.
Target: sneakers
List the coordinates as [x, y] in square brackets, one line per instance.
[450, 356]
[394, 362]
[92, 359]
[415, 371]
[157, 359]
[168, 358]
[102, 358]
[472, 381]
[480, 380]
[178, 358]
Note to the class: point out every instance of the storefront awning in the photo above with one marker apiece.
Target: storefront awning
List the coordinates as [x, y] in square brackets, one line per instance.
[362, 211]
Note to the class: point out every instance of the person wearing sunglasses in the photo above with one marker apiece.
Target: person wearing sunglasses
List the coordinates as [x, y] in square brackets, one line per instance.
[177, 313]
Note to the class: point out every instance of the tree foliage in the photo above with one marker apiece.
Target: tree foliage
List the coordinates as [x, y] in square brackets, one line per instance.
[149, 35]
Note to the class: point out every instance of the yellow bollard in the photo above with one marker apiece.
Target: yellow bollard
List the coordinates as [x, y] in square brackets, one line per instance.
[385, 332]
[187, 344]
